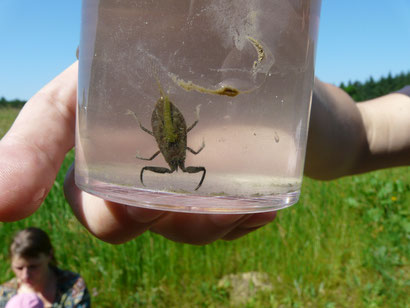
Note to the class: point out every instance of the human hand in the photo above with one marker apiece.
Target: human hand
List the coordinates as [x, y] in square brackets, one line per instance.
[25, 288]
[347, 138]
[335, 125]
[33, 150]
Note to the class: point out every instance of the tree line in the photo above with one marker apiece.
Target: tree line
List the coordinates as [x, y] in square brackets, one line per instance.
[359, 91]
[16, 103]
[371, 89]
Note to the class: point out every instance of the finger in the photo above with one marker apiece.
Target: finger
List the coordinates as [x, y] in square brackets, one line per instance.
[33, 149]
[111, 222]
[116, 223]
[252, 223]
[197, 229]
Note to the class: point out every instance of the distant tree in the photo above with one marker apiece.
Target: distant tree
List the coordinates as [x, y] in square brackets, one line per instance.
[372, 89]
[16, 103]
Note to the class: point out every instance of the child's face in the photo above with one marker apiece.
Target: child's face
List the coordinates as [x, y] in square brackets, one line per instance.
[31, 272]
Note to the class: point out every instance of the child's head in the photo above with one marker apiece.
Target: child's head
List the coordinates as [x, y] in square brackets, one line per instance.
[31, 255]
[30, 243]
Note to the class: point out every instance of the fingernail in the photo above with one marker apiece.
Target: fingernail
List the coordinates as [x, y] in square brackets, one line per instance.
[39, 196]
[258, 220]
[223, 220]
[142, 215]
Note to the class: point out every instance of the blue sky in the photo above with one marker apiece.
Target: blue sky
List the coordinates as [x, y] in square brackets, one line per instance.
[357, 39]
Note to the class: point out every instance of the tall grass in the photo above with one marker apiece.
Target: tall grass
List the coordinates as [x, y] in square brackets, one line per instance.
[345, 244]
[7, 116]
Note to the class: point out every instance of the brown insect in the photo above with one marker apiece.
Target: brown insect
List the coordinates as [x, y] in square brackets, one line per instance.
[170, 132]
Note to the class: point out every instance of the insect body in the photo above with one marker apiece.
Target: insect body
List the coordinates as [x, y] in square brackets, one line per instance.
[170, 132]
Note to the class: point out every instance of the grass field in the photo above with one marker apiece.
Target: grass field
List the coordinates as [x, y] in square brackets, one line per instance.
[345, 244]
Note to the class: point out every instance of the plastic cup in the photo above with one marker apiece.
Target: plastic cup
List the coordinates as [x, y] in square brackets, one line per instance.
[197, 106]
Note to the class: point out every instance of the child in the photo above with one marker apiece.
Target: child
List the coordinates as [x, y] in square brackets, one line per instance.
[25, 300]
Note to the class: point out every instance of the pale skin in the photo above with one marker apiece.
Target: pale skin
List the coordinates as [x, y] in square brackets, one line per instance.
[34, 275]
[36, 144]
[347, 138]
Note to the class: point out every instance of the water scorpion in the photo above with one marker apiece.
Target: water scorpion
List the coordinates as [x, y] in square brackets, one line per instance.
[170, 132]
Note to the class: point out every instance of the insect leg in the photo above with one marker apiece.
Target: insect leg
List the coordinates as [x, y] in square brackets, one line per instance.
[192, 126]
[129, 112]
[197, 119]
[196, 170]
[151, 158]
[154, 169]
[196, 152]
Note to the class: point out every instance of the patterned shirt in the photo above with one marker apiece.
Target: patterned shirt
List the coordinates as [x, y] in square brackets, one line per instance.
[71, 291]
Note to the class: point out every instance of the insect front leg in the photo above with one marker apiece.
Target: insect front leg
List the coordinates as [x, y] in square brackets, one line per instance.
[196, 170]
[197, 119]
[154, 169]
[129, 112]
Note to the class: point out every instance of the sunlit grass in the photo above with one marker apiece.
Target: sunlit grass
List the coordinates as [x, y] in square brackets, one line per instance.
[7, 116]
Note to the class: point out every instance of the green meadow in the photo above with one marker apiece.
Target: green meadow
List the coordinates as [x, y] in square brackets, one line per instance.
[345, 244]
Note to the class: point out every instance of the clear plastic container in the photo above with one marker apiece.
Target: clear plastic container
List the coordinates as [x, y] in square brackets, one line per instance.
[195, 106]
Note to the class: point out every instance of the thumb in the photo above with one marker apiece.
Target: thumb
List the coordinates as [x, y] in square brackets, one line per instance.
[34, 148]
